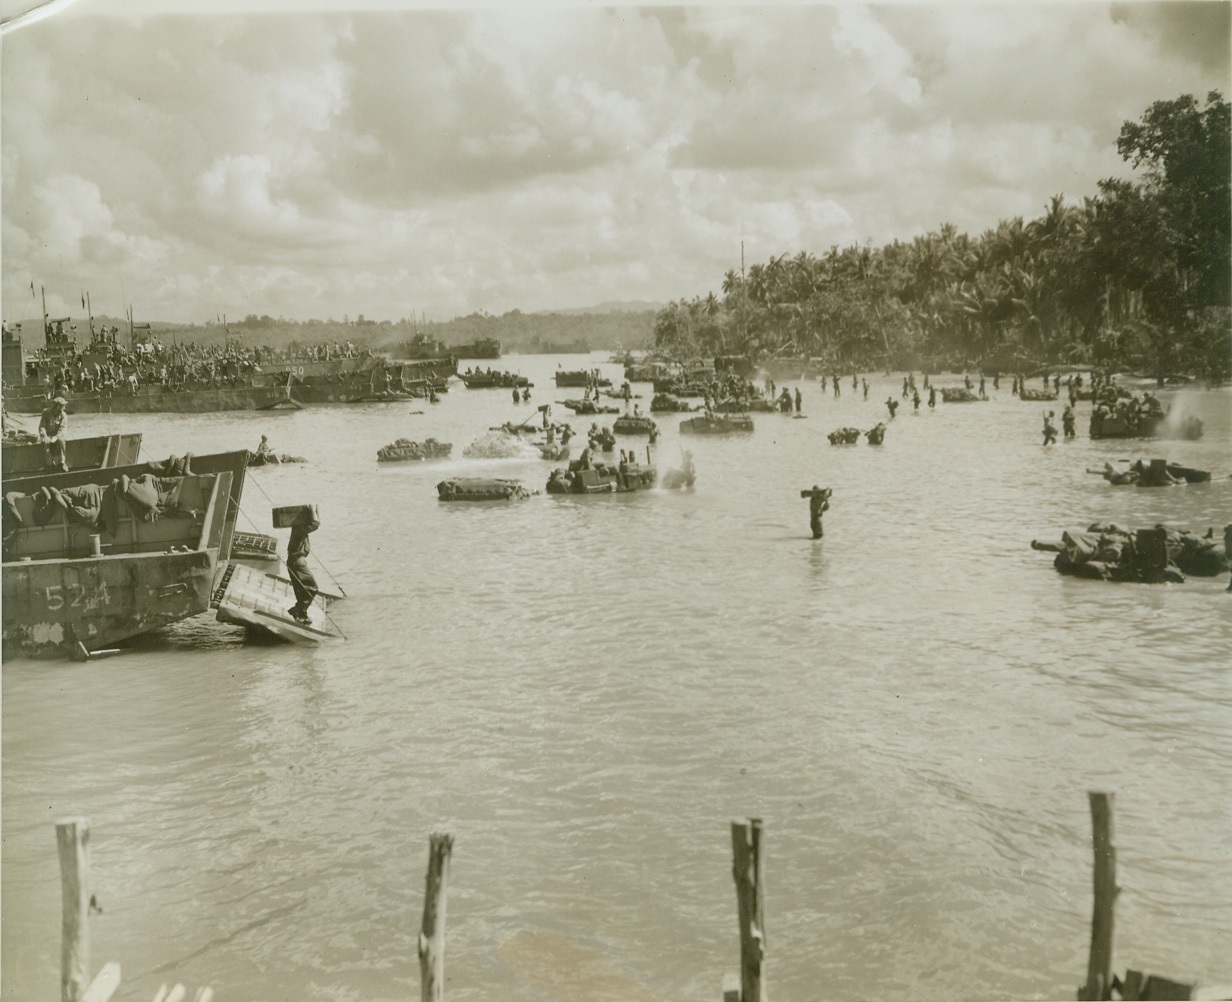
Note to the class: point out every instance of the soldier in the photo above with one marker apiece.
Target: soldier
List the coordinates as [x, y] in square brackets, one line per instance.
[1050, 429]
[1067, 421]
[302, 581]
[53, 430]
[819, 502]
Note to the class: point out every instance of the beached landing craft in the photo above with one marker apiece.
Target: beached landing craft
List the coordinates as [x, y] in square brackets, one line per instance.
[484, 347]
[98, 452]
[157, 399]
[361, 381]
[31, 380]
[88, 563]
[580, 377]
[489, 380]
[717, 424]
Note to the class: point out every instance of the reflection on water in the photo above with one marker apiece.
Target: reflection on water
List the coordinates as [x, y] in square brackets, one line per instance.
[585, 691]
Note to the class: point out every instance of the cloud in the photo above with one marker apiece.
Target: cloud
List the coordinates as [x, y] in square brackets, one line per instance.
[452, 160]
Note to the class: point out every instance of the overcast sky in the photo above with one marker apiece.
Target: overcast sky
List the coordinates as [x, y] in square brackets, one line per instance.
[388, 162]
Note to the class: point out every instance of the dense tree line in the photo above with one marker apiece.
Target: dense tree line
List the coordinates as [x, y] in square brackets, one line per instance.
[1137, 276]
[517, 330]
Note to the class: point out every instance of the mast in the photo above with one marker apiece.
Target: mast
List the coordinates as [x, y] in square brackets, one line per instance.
[43, 293]
[90, 315]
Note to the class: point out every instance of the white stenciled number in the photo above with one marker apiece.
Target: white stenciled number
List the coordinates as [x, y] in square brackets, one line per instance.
[55, 597]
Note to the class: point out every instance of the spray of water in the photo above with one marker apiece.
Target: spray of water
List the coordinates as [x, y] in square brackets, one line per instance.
[500, 445]
[1182, 421]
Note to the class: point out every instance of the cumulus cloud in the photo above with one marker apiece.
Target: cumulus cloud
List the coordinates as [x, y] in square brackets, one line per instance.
[329, 163]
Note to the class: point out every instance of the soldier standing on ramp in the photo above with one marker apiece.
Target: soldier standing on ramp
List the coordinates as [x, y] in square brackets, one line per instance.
[302, 581]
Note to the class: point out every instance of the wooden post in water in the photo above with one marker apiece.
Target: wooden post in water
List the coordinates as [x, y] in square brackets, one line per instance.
[749, 873]
[432, 938]
[1099, 967]
[73, 843]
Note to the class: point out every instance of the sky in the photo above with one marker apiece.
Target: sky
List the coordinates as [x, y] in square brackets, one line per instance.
[322, 161]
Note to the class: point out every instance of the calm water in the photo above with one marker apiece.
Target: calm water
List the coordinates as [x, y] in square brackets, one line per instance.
[586, 691]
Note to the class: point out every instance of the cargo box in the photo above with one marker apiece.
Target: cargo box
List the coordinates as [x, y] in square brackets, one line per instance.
[296, 514]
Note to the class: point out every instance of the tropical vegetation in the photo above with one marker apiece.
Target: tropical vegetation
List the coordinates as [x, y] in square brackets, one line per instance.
[1134, 276]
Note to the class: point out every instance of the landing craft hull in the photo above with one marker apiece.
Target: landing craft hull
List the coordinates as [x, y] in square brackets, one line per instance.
[57, 595]
[485, 348]
[348, 395]
[81, 453]
[579, 378]
[151, 400]
[50, 606]
[1117, 427]
[496, 380]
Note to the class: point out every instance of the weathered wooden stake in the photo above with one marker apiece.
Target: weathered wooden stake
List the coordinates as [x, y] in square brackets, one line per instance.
[432, 939]
[73, 843]
[749, 873]
[1099, 967]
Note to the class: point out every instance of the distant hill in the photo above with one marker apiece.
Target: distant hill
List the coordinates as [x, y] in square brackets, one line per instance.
[611, 306]
[518, 331]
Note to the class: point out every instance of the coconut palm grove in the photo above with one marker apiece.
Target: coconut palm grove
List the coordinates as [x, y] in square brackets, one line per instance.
[1134, 277]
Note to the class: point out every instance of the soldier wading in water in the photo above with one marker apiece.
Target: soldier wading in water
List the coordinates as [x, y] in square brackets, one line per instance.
[819, 502]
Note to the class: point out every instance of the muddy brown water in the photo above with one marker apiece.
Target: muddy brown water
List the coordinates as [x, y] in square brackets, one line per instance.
[585, 691]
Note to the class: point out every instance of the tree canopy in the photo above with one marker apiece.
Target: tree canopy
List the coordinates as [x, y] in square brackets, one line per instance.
[1136, 275]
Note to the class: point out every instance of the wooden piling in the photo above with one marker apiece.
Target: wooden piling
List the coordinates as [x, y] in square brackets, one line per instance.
[1099, 967]
[73, 843]
[432, 938]
[748, 871]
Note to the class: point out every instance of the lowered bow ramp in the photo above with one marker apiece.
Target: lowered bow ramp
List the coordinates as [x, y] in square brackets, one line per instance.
[249, 597]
